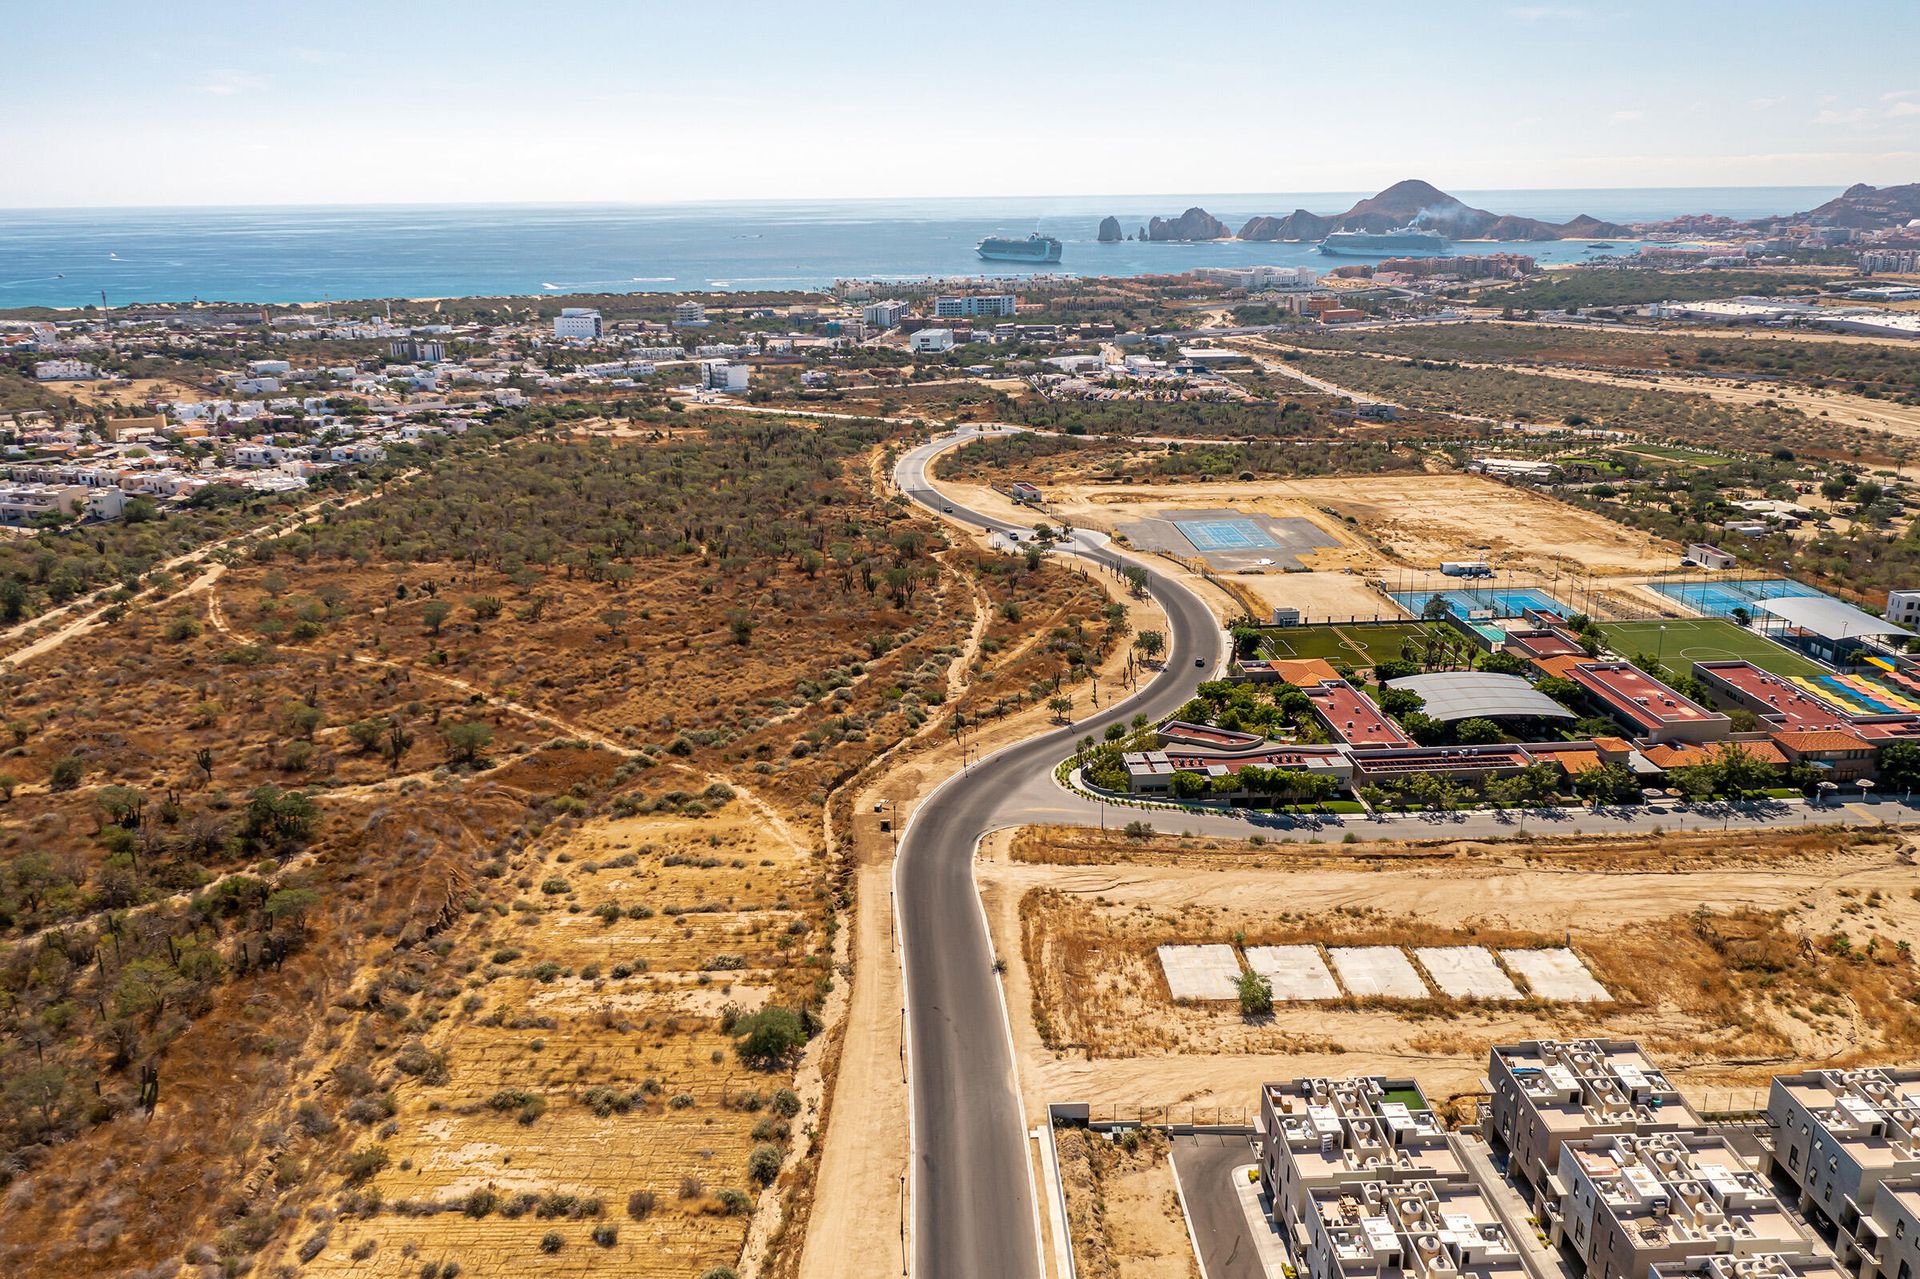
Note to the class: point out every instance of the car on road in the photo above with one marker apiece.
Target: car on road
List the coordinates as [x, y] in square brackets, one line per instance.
[1200, 662]
[947, 509]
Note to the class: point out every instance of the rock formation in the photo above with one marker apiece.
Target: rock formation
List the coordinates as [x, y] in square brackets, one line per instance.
[1195, 224]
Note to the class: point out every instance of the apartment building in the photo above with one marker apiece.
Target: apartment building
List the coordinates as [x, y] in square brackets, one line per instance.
[1767, 1265]
[1839, 1134]
[1889, 1238]
[689, 315]
[1635, 1201]
[724, 375]
[1547, 1092]
[884, 315]
[1321, 1134]
[958, 306]
[578, 324]
[1411, 1230]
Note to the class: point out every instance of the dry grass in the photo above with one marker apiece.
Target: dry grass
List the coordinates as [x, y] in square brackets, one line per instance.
[1123, 1214]
[564, 1074]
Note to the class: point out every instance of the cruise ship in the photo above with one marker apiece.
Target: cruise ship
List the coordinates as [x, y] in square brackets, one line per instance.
[1407, 240]
[1035, 248]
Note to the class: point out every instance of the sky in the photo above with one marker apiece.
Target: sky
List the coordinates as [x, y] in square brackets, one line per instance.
[134, 103]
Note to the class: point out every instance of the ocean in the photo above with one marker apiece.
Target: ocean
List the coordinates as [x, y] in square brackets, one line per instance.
[70, 257]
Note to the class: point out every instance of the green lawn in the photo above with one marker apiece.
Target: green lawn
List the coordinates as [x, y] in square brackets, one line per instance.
[1667, 453]
[1354, 644]
[1706, 639]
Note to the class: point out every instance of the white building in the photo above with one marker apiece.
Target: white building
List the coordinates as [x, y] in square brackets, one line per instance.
[884, 315]
[1260, 277]
[578, 324]
[1903, 607]
[933, 341]
[689, 315]
[724, 375]
[65, 371]
[952, 307]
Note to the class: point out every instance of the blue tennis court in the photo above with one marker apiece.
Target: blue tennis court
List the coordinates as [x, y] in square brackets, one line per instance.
[1719, 599]
[1225, 535]
[1503, 601]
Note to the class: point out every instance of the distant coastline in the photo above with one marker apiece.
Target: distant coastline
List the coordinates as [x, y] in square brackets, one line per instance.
[67, 258]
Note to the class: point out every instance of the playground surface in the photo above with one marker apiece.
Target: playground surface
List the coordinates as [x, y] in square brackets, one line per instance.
[1707, 639]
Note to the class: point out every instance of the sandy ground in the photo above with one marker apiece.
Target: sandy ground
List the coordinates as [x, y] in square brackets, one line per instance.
[130, 394]
[1215, 1060]
[1418, 520]
[1122, 1209]
[1318, 596]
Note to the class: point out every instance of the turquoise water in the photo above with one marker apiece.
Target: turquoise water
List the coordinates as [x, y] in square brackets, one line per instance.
[68, 257]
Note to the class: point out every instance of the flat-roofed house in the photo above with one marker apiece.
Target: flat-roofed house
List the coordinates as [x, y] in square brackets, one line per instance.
[1320, 1134]
[1410, 1230]
[1547, 1092]
[1837, 1135]
[1634, 1201]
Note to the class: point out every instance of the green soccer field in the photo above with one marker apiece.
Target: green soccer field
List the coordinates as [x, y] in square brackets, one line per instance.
[1706, 639]
[1353, 644]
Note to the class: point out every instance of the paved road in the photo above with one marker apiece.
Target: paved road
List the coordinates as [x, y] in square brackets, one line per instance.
[1205, 1165]
[972, 1193]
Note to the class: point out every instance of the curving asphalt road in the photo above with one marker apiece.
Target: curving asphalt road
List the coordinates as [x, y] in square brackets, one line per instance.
[974, 1212]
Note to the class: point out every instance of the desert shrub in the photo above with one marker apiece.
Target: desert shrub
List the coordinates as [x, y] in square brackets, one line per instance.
[364, 1163]
[769, 1037]
[763, 1165]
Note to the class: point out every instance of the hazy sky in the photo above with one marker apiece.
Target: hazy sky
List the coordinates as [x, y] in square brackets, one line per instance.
[132, 102]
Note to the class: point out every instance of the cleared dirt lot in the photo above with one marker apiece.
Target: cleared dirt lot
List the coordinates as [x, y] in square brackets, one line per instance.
[1731, 957]
[1419, 520]
[1318, 596]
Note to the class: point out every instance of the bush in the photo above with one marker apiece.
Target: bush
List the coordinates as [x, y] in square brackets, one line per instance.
[66, 772]
[606, 1235]
[763, 1165]
[769, 1037]
[364, 1163]
[1256, 995]
[553, 1241]
[734, 1203]
[784, 1102]
[640, 1204]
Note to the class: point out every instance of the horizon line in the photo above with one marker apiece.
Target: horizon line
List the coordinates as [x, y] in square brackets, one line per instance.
[695, 201]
